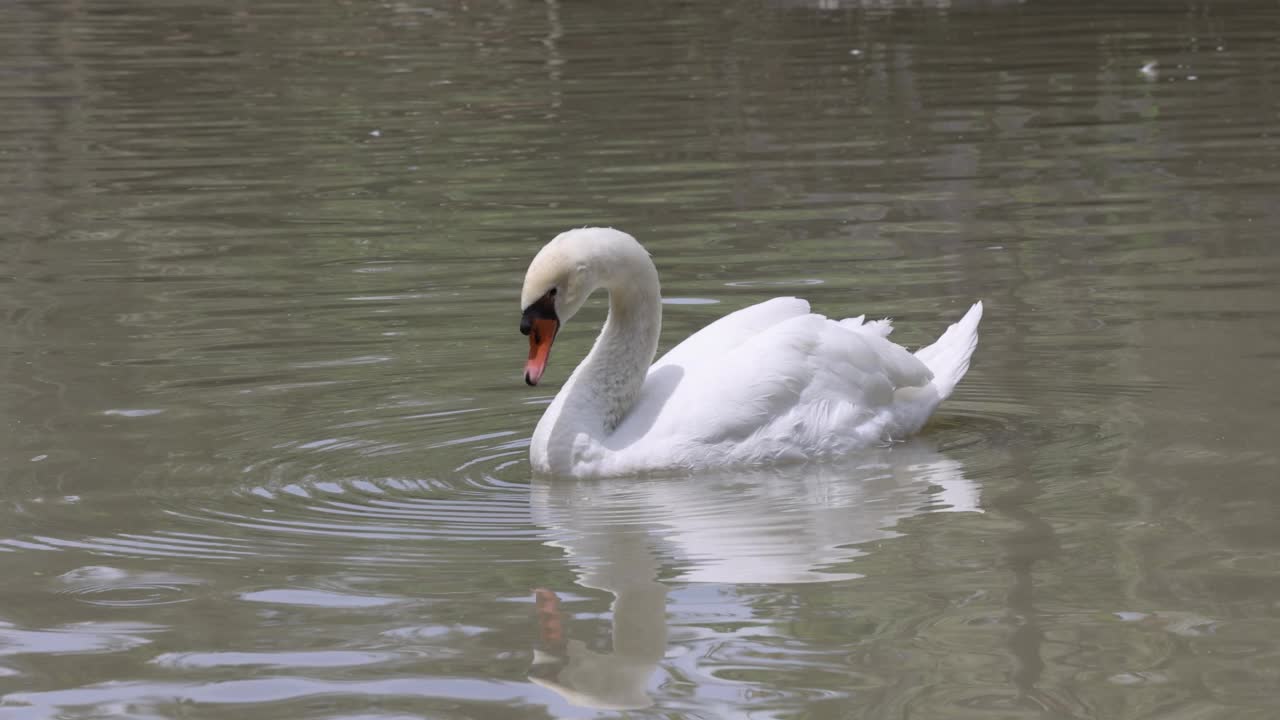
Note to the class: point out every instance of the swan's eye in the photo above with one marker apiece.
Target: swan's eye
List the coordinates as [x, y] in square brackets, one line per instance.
[544, 309]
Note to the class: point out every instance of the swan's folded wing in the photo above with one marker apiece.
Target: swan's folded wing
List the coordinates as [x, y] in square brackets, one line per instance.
[802, 383]
[732, 330]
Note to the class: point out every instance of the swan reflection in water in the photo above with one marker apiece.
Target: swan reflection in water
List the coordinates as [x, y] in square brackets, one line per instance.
[784, 525]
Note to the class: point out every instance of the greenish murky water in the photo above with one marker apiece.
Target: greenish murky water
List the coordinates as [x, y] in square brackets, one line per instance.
[263, 431]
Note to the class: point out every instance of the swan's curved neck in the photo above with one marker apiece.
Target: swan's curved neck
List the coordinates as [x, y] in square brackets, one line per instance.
[607, 383]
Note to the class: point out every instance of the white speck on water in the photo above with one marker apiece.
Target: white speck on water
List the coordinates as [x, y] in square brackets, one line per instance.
[995, 247]
[316, 598]
[132, 412]
[775, 283]
[1151, 69]
[1192, 77]
[1139, 678]
[688, 301]
[375, 133]
[855, 52]
[39, 458]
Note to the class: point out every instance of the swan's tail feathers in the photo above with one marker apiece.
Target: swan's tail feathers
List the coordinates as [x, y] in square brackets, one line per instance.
[948, 358]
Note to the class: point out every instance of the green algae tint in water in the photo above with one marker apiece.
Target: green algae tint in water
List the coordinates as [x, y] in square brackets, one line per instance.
[263, 433]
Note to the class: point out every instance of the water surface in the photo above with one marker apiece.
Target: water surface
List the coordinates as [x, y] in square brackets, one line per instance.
[263, 434]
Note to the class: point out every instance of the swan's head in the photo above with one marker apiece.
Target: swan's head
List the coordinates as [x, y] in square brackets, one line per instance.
[558, 282]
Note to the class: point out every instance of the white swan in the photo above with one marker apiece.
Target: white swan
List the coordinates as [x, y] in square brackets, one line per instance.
[767, 384]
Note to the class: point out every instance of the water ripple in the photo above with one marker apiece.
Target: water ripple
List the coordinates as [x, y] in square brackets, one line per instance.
[275, 660]
[113, 587]
[75, 638]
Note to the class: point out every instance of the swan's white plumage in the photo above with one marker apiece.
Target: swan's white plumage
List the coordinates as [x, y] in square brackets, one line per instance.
[767, 384]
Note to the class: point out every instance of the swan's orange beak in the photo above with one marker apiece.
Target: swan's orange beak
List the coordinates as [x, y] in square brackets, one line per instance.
[542, 332]
[540, 323]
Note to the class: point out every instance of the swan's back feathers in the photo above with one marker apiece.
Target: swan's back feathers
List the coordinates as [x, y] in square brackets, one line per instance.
[732, 330]
[948, 357]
